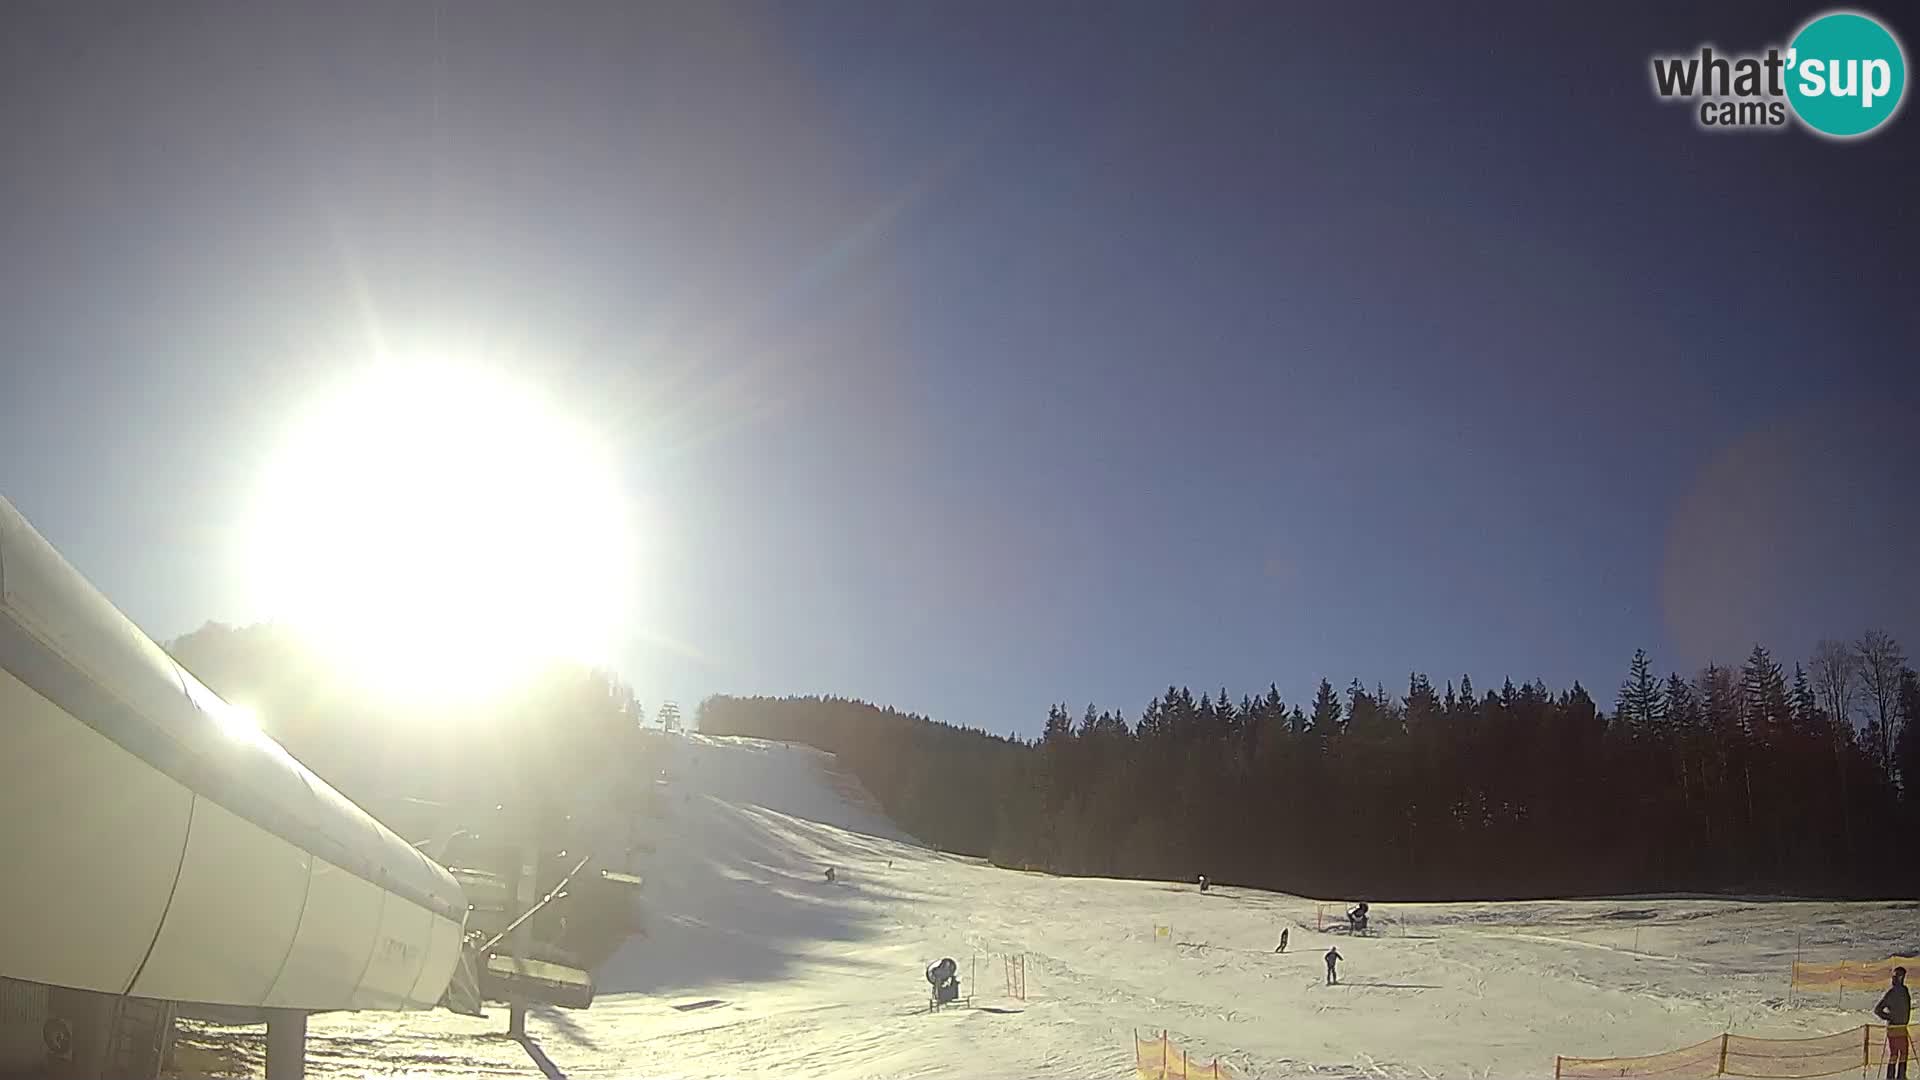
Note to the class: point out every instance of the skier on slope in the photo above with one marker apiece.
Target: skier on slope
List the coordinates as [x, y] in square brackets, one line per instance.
[1896, 1008]
[1333, 957]
[1282, 947]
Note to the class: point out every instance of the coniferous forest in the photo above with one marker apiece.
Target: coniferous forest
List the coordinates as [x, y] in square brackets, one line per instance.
[1762, 778]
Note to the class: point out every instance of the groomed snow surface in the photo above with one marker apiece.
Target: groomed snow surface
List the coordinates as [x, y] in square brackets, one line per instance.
[755, 966]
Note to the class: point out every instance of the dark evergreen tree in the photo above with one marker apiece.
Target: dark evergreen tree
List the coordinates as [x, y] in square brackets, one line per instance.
[1764, 695]
[1906, 746]
[1733, 780]
[1803, 707]
[1640, 707]
[1326, 716]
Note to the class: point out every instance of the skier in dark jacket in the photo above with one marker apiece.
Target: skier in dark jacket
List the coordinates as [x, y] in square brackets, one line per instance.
[1896, 1008]
[1333, 957]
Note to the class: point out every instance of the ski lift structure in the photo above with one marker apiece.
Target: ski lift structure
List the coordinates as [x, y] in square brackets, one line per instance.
[184, 810]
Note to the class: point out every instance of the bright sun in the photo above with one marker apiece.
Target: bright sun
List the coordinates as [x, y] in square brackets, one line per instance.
[442, 532]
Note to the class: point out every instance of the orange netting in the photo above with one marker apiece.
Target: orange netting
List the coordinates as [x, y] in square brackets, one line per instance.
[1686, 1063]
[1850, 974]
[1880, 1043]
[1160, 1059]
[1825, 1055]
[1861, 1048]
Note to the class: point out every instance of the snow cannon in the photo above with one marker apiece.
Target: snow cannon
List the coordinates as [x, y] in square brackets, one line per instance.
[1357, 918]
[944, 977]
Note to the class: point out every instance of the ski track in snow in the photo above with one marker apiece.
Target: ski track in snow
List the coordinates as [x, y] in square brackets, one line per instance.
[818, 979]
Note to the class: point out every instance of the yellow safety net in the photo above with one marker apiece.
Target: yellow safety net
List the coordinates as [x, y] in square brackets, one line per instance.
[1825, 1055]
[1686, 1063]
[1159, 1059]
[1865, 1047]
[1850, 974]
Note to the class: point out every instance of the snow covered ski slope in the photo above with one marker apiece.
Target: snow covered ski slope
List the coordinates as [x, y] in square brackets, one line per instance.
[757, 966]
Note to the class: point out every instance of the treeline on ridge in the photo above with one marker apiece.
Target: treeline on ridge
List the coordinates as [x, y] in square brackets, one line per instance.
[542, 741]
[1748, 779]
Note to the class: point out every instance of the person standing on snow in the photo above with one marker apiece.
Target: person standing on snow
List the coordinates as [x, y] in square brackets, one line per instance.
[1896, 1008]
[1283, 941]
[1333, 957]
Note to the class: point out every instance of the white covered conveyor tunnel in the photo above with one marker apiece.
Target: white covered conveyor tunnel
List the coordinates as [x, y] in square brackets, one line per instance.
[157, 845]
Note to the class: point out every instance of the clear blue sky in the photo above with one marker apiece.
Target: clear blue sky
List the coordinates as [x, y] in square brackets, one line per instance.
[973, 356]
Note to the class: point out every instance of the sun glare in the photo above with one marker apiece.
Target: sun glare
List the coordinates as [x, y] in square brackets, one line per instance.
[443, 531]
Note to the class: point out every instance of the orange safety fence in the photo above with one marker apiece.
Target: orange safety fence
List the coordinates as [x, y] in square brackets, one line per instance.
[1826, 1055]
[1864, 1047]
[1686, 1063]
[1850, 974]
[1160, 1059]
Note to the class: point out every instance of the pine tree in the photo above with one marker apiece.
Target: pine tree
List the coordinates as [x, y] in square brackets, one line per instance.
[1326, 710]
[1367, 716]
[1906, 745]
[1763, 695]
[1578, 708]
[1682, 706]
[1059, 727]
[1422, 707]
[1154, 726]
[1640, 708]
[1805, 710]
[1183, 714]
[1685, 760]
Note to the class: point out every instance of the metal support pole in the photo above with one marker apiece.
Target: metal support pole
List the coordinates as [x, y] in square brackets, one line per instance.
[517, 947]
[526, 887]
[286, 1044]
[1793, 973]
[526, 894]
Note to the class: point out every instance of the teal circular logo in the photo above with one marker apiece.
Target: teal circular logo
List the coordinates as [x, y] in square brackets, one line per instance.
[1846, 74]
